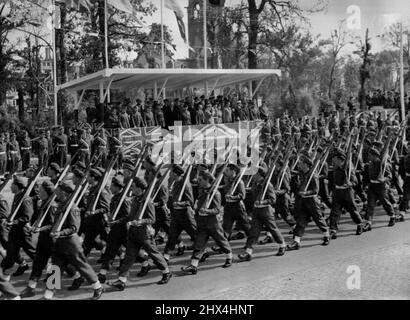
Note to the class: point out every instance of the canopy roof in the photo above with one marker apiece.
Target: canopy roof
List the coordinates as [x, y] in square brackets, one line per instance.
[169, 78]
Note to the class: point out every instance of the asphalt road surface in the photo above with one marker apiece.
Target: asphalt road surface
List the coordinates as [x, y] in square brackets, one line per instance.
[380, 261]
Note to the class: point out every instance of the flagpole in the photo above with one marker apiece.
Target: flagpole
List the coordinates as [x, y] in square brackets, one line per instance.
[55, 62]
[162, 36]
[107, 65]
[205, 39]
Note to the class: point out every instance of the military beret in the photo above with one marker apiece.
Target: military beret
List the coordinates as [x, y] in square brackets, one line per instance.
[340, 155]
[140, 183]
[81, 165]
[118, 181]
[67, 186]
[306, 160]
[372, 132]
[95, 174]
[378, 144]
[54, 166]
[234, 167]
[78, 173]
[128, 166]
[48, 187]
[101, 170]
[208, 176]
[21, 182]
[375, 152]
[203, 166]
[177, 169]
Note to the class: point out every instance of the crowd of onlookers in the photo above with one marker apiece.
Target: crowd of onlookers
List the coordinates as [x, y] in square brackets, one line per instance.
[389, 99]
[189, 111]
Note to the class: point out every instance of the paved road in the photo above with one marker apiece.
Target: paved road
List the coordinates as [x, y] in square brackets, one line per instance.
[313, 272]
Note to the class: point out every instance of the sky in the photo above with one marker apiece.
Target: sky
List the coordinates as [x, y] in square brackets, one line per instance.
[375, 15]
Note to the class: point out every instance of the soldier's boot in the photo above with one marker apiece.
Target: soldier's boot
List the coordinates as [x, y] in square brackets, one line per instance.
[165, 278]
[190, 269]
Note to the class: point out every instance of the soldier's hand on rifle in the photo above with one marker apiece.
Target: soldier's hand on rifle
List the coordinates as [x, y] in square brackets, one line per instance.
[55, 235]
[229, 197]
[302, 193]
[381, 179]
[27, 228]
[136, 223]
[202, 212]
[179, 204]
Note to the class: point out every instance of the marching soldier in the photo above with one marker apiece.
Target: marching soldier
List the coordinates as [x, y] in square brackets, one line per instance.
[140, 236]
[117, 236]
[95, 221]
[377, 190]
[234, 208]
[262, 215]
[53, 172]
[18, 237]
[182, 217]
[307, 205]
[343, 195]
[208, 224]
[45, 242]
[67, 247]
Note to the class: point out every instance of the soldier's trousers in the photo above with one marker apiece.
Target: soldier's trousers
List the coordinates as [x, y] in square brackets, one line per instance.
[25, 160]
[140, 238]
[18, 239]
[6, 288]
[263, 217]
[4, 239]
[282, 208]
[306, 209]
[116, 238]
[324, 193]
[404, 203]
[235, 212]
[68, 251]
[94, 227]
[343, 198]
[181, 220]
[42, 160]
[162, 219]
[44, 251]
[61, 158]
[358, 188]
[209, 227]
[3, 164]
[378, 192]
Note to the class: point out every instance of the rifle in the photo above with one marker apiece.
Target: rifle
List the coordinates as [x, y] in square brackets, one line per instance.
[348, 161]
[384, 157]
[238, 180]
[148, 193]
[312, 173]
[160, 182]
[26, 193]
[396, 141]
[124, 193]
[268, 178]
[282, 171]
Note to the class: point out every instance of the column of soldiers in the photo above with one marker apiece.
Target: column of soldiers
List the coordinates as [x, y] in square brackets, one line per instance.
[304, 167]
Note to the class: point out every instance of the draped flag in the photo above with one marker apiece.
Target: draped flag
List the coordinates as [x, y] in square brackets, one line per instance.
[179, 14]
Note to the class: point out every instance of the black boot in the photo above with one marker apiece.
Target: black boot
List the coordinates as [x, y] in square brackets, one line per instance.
[20, 270]
[392, 222]
[245, 257]
[119, 285]
[190, 269]
[326, 241]
[359, 230]
[76, 284]
[281, 251]
[204, 257]
[144, 271]
[293, 246]
[228, 263]
[98, 293]
[333, 234]
[165, 278]
[28, 293]
[180, 251]
[102, 278]
[266, 240]
[367, 227]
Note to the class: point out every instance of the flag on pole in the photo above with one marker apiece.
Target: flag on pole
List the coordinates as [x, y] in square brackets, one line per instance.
[122, 5]
[179, 14]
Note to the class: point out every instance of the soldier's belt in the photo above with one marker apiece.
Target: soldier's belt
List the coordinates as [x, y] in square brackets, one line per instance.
[376, 181]
[2, 153]
[13, 152]
[25, 148]
[74, 146]
[84, 149]
[342, 187]
[180, 208]
[233, 201]
[309, 196]
[260, 206]
[61, 145]
[407, 174]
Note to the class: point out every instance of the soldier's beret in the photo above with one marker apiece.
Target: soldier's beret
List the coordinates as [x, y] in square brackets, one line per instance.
[374, 151]
[95, 174]
[378, 144]
[306, 160]
[67, 186]
[78, 173]
[80, 165]
[48, 187]
[128, 166]
[234, 167]
[177, 169]
[101, 170]
[208, 176]
[140, 183]
[372, 132]
[118, 181]
[203, 166]
[21, 182]
[339, 154]
[54, 166]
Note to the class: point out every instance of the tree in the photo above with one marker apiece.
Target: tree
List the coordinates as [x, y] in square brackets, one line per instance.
[364, 72]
